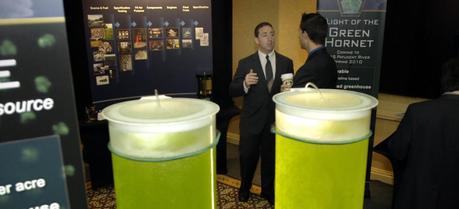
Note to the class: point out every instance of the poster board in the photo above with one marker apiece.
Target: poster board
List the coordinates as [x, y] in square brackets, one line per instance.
[137, 46]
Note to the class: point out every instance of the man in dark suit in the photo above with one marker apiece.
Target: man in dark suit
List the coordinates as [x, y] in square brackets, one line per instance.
[257, 79]
[424, 150]
[319, 68]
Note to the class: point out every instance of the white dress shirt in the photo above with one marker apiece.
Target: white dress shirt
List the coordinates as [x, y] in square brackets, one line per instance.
[272, 59]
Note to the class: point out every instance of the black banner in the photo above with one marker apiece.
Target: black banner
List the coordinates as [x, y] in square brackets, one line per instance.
[355, 41]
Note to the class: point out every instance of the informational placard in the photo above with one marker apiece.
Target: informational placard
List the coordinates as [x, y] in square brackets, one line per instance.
[33, 176]
[137, 46]
[355, 41]
[36, 92]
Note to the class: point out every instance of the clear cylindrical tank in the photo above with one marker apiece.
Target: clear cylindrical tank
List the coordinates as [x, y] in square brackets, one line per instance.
[321, 148]
[163, 153]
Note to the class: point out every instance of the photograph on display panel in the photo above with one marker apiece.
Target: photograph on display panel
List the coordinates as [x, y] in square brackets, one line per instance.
[187, 43]
[155, 33]
[157, 45]
[187, 33]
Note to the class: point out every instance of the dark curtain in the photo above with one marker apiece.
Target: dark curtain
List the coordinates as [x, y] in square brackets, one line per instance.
[222, 52]
[222, 74]
[419, 37]
[78, 57]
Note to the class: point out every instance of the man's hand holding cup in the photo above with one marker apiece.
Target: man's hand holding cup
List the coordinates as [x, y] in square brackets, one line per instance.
[287, 82]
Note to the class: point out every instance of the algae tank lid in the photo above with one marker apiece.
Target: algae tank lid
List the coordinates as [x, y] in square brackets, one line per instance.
[165, 111]
[324, 103]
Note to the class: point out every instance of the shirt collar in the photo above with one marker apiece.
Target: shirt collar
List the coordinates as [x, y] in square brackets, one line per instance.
[315, 50]
[270, 54]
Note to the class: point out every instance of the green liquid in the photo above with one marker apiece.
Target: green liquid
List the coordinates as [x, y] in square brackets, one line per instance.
[187, 183]
[319, 176]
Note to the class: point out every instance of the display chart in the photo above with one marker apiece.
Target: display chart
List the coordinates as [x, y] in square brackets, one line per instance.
[37, 101]
[137, 46]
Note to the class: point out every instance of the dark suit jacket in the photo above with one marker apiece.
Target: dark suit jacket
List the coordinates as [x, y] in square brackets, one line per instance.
[258, 108]
[424, 151]
[319, 68]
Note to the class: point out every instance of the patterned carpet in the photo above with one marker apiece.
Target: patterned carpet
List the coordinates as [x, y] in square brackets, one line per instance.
[104, 198]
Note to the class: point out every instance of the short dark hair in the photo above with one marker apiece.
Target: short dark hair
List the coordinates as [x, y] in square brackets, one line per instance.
[315, 25]
[450, 75]
[260, 25]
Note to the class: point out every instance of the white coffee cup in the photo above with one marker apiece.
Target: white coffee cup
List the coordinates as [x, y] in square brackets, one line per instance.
[287, 81]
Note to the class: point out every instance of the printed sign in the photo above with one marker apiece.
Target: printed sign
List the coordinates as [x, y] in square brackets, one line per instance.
[36, 92]
[355, 41]
[33, 176]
